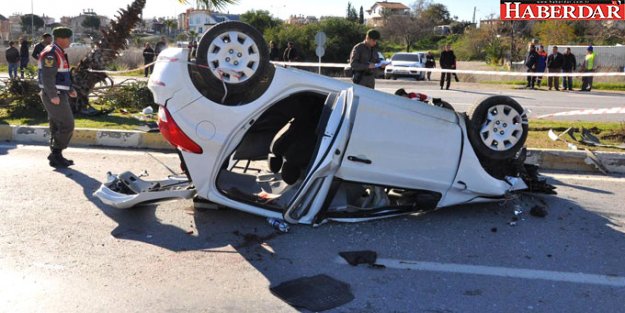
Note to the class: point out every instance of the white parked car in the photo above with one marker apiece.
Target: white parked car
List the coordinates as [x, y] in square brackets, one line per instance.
[293, 145]
[406, 64]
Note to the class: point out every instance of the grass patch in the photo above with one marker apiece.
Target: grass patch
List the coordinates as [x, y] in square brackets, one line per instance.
[111, 121]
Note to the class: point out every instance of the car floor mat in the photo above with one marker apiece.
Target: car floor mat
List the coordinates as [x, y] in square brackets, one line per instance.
[317, 293]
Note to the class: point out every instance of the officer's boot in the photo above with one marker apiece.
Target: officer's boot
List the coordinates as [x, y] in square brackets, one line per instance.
[57, 160]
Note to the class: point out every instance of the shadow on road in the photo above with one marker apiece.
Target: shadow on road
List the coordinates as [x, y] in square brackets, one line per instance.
[470, 234]
[5, 147]
[579, 187]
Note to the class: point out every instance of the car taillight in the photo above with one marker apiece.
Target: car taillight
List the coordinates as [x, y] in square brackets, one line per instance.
[173, 134]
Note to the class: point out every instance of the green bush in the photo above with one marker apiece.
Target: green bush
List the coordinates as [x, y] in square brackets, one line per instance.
[21, 98]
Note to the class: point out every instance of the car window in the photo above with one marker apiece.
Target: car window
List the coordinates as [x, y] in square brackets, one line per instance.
[406, 57]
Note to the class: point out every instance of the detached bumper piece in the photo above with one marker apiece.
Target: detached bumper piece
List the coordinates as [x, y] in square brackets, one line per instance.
[126, 190]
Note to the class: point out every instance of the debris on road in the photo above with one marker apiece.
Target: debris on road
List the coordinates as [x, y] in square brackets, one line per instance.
[592, 159]
[279, 225]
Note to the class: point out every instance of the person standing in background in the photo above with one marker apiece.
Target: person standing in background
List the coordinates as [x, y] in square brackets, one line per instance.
[290, 53]
[274, 53]
[530, 63]
[447, 61]
[13, 59]
[554, 64]
[363, 60]
[430, 62]
[24, 53]
[160, 46]
[569, 65]
[589, 66]
[541, 64]
[46, 40]
[148, 57]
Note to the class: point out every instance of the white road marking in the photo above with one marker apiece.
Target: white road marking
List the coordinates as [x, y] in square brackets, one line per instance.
[508, 272]
[586, 177]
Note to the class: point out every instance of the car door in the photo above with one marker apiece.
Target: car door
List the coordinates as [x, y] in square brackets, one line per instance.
[398, 142]
[310, 197]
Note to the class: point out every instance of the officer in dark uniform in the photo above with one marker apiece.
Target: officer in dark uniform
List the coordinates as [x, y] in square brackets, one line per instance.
[46, 40]
[56, 86]
[363, 58]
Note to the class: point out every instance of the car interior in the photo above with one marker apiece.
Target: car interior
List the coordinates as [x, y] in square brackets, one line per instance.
[276, 151]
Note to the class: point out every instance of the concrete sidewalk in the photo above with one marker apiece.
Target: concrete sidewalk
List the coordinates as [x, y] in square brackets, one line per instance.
[577, 161]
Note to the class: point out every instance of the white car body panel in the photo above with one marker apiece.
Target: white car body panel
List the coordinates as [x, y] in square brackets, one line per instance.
[402, 140]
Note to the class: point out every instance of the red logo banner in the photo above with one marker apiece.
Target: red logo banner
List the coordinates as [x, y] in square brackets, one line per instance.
[511, 10]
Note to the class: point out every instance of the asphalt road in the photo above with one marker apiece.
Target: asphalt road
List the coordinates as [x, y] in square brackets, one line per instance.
[61, 250]
[539, 102]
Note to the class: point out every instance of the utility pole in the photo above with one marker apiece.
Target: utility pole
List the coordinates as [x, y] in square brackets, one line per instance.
[511, 43]
[32, 20]
[474, 10]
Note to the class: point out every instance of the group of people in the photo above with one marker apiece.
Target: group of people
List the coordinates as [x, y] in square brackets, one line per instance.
[20, 58]
[537, 61]
[288, 55]
[150, 54]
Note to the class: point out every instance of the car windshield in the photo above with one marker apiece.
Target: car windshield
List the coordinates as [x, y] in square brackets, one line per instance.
[406, 57]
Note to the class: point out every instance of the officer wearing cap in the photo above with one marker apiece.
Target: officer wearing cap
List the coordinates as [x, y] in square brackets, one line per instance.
[46, 40]
[363, 58]
[56, 86]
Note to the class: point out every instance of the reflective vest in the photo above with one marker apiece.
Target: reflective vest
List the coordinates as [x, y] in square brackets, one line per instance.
[590, 61]
[63, 78]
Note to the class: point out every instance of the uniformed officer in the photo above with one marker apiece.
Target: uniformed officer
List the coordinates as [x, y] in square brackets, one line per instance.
[363, 58]
[56, 86]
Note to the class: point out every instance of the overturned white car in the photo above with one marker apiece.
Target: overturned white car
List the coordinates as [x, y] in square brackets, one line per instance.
[294, 145]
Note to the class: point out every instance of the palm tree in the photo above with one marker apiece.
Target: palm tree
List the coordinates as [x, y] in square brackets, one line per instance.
[192, 35]
[210, 4]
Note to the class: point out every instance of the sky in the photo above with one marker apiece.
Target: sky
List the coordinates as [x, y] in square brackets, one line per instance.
[279, 8]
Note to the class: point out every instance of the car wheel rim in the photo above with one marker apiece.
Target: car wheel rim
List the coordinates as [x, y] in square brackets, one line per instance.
[503, 128]
[233, 57]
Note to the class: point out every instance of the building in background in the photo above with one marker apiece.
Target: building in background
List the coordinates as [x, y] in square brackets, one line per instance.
[5, 29]
[201, 20]
[301, 20]
[75, 22]
[381, 10]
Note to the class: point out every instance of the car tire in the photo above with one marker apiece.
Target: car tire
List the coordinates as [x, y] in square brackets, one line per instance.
[497, 127]
[232, 64]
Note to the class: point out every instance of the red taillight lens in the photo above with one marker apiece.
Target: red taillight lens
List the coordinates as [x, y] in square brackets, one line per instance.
[174, 134]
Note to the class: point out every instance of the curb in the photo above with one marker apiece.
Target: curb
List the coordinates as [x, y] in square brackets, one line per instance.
[577, 161]
[86, 137]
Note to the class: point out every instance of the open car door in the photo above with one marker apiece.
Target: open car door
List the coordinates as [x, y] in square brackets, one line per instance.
[335, 128]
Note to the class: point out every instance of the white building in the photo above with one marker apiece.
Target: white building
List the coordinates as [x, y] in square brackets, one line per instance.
[200, 20]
